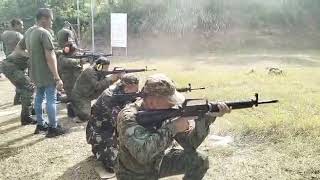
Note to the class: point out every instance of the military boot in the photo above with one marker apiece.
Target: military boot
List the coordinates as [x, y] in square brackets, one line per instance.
[26, 116]
[70, 111]
[17, 99]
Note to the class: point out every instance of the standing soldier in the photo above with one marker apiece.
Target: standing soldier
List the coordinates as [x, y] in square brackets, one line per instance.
[89, 85]
[10, 39]
[101, 127]
[144, 153]
[14, 67]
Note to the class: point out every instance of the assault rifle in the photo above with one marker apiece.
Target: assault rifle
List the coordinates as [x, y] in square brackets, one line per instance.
[130, 96]
[189, 89]
[118, 70]
[155, 118]
[90, 56]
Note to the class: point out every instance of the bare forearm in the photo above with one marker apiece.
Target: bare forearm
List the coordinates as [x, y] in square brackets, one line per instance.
[52, 63]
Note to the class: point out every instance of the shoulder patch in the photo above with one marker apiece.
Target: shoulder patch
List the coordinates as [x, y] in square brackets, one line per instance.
[140, 133]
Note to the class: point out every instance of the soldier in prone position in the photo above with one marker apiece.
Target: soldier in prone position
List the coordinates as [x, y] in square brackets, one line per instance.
[89, 85]
[142, 151]
[100, 132]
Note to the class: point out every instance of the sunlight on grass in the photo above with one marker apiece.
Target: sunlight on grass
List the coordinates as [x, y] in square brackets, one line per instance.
[297, 89]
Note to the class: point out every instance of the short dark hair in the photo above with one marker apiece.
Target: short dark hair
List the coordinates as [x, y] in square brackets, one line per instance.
[44, 12]
[14, 22]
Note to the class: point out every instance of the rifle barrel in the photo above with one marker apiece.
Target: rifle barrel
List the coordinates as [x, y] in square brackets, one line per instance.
[268, 102]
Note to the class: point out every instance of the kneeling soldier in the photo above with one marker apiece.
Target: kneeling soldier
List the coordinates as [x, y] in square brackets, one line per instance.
[100, 132]
[142, 151]
[89, 85]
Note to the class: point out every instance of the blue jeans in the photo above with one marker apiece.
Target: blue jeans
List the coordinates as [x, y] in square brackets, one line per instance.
[50, 93]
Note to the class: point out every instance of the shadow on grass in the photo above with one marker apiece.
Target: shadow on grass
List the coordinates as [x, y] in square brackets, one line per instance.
[81, 171]
[6, 152]
[8, 143]
[6, 105]
[11, 121]
[10, 129]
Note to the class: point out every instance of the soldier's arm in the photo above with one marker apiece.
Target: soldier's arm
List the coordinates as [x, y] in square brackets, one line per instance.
[102, 84]
[143, 144]
[69, 62]
[20, 50]
[193, 139]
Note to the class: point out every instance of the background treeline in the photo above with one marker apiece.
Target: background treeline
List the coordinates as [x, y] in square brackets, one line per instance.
[179, 18]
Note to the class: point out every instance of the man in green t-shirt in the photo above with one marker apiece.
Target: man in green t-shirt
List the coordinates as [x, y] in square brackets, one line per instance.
[10, 39]
[43, 71]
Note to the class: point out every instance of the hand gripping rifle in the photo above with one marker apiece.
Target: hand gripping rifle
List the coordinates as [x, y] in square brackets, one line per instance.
[155, 118]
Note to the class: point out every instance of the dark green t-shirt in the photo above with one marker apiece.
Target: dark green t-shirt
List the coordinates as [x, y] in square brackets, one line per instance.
[36, 43]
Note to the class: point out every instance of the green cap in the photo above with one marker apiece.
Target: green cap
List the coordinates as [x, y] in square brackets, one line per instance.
[160, 85]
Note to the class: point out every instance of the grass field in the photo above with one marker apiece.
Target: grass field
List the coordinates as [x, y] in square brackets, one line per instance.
[278, 141]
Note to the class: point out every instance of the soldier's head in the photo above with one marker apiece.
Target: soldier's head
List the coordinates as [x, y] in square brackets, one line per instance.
[44, 18]
[102, 64]
[69, 48]
[129, 83]
[160, 92]
[17, 24]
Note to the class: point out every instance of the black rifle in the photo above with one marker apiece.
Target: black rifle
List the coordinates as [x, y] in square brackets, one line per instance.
[189, 89]
[129, 96]
[90, 56]
[155, 118]
[118, 70]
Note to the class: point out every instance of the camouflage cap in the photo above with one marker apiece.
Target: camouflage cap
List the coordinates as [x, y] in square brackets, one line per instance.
[129, 79]
[162, 86]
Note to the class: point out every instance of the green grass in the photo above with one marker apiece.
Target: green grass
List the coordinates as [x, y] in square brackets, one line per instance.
[297, 89]
[276, 141]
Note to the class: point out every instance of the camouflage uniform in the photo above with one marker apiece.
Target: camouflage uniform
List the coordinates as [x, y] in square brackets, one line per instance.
[10, 40]
[15, 70]
[89, 85]
[69, 69]
[100, 131]
[144, 153]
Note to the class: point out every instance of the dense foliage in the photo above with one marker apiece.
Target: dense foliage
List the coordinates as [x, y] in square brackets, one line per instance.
[177, 16]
